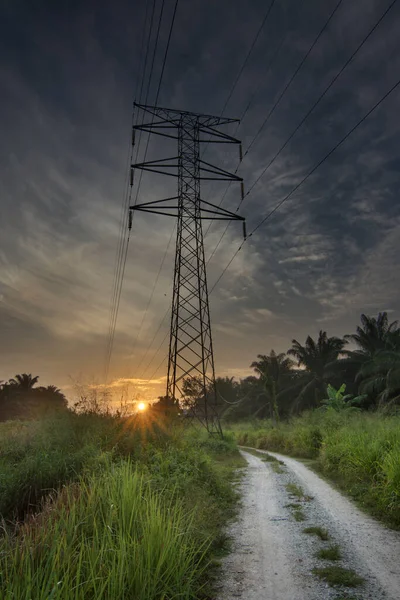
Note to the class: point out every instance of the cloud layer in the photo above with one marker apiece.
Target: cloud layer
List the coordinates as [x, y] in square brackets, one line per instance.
[328, 254]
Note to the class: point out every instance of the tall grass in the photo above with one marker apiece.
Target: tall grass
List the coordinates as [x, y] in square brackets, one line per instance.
[361, 452]
[111, 536]
[38, 456]
[97, 507]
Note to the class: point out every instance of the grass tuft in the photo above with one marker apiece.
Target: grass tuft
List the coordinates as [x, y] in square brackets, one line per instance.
[318, 531]
[339, 576]
[299, 515]
[276, 466]
[294, 490]
[331, 553]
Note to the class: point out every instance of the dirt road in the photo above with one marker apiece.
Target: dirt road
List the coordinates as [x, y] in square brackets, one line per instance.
[272, 559]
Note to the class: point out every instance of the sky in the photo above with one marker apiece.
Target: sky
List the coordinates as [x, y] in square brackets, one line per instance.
[69, 72]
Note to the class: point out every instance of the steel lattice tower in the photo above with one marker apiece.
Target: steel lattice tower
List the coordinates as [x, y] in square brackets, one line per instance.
[191, 357]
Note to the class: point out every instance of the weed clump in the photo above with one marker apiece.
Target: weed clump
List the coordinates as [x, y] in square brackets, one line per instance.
[339, 576]
[318, 531]
[299, 515]
[331, 553]
[294, 490]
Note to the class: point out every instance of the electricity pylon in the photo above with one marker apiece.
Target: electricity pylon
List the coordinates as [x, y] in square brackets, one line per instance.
[191, 359]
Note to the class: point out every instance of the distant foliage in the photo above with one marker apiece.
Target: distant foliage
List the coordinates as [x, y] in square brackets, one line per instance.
[20, 399]
[370, 373]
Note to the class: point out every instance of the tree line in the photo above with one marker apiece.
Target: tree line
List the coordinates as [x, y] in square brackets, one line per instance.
[309, 375]
[20, 399]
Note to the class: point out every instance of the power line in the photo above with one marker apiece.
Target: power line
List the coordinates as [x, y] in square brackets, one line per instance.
[257, 89]
[152, 291]
[263, 22]
[257, 35]
[124, 239]
[279, 204]
[328, 87]
[272, 60]
[309, 112]
[120, 252]
[117, 254]
[118, 300]
[152, 342]
[158, 90]
[348, 134]
[157, 351]
[276, 103]
[285, 89]
[122, 270]
[140, 179]
[147, 146]
[144, 70]
[167, 49]
[159, 367]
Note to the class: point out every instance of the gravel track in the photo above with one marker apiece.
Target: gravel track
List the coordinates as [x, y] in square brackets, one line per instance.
[272, 559]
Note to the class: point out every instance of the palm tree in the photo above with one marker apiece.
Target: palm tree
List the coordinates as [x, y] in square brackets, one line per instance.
[24, 381]
[274, 371]
[315, 358]
[374, 335]
[53, 392]
[369, 364]
[379, 378]
[52, 389]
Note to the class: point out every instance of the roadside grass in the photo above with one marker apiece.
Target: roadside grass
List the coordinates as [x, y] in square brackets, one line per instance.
[336, 575]
[331, 553]
[359, 452]
[320, 532]
[98, 508]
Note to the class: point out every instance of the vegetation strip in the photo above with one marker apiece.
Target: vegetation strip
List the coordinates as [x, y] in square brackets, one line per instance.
[141, 513]
[360, 453]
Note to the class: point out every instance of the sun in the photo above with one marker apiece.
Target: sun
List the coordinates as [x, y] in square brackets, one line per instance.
[142, 406]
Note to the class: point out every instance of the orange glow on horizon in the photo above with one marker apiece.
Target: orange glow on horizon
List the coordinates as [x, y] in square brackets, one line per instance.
[142, 406]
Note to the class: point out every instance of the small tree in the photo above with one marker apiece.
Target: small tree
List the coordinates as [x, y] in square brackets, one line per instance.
[338, 402]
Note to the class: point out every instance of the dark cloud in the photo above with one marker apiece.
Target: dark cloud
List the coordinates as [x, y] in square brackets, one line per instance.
[68, 73]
